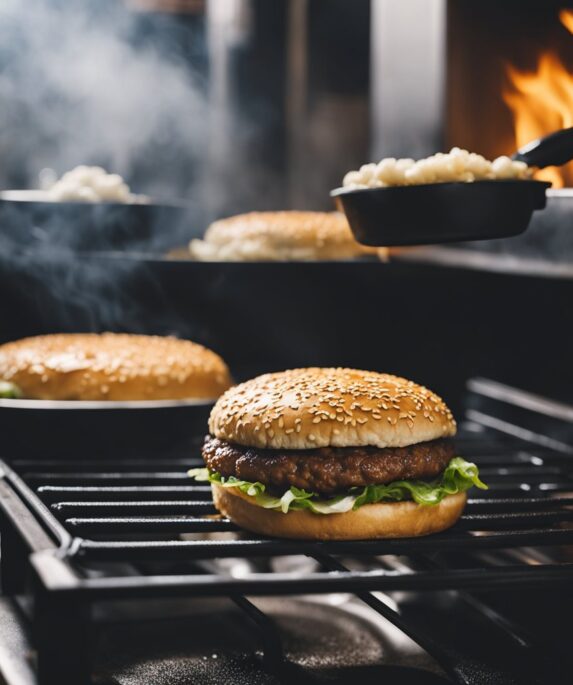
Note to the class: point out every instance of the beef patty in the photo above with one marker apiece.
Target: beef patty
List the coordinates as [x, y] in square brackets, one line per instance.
[328, 469]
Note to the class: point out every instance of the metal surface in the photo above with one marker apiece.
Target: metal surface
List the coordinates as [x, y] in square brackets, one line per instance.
[407, 94]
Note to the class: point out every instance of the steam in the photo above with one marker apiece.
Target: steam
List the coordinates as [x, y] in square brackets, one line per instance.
[92, 83]
[84, 84]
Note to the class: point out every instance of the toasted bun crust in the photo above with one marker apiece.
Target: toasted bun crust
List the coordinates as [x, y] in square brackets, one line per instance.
[279, 236]
[388, 520]
[112, 367]
[308, 408]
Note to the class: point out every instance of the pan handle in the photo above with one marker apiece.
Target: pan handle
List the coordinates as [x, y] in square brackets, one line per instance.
[552, 150]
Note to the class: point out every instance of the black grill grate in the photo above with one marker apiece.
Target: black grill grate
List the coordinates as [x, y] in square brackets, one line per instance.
[83, 520]
[151, 504]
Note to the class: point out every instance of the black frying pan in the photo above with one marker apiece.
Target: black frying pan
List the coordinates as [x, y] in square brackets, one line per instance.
[451, 212]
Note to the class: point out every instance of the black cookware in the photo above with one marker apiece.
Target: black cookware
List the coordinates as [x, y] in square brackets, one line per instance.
[451, 212]
[46, 428]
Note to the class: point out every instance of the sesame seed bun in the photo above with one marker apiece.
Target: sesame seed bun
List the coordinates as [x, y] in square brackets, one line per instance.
[112, 366]
[387, 520]
[279, 236]
[310, 408]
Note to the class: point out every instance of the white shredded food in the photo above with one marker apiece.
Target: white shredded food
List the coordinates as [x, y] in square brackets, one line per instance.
[91, 184]
[455, 165]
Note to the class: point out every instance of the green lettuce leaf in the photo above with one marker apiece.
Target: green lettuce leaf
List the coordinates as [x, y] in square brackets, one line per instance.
[9, 390]
[459, 476]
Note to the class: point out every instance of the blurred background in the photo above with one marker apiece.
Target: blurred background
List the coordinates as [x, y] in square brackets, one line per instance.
[225, 106]
[187, 98]
[273, 102]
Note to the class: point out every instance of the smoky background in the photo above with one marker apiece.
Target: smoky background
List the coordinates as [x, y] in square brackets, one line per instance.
[209, 102]
[211, 108]
[96, 83]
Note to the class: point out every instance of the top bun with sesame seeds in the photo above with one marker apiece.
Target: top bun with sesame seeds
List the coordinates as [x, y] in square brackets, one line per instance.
[110, 366]
[280, 236]
[313, 408]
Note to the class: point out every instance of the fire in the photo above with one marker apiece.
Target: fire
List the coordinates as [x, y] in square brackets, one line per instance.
[566, 18]
[542, 102]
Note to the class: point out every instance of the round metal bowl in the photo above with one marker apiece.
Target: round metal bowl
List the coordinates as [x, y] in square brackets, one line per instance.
[30, 218]
[49, 428]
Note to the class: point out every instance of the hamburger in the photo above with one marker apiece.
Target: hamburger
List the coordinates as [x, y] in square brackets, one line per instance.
[111, 366]
[280, 236]
[335, 454]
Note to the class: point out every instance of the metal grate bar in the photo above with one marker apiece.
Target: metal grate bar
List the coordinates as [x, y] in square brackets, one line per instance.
[193, 524]
[508, 488]
[528, 471]
[108, 478]
[111, 465]
[131, 508]
[51, 493]
[114, 526]
[514, 504]
[209, 549]
[262, 584]
[482, 522]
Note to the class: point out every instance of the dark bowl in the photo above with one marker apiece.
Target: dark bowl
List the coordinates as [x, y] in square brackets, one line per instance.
[77, 429]
[440, 212]
[28, 218]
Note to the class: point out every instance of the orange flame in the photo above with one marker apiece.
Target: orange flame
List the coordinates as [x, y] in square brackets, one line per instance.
[542, 102]
[566, 18]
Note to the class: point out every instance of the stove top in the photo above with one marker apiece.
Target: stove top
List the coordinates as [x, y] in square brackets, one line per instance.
[119, 572]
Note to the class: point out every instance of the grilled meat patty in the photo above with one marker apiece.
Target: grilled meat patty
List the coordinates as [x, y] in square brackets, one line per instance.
[328, 469]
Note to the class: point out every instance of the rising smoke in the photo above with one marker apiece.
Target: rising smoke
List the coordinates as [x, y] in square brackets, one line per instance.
[92, 82]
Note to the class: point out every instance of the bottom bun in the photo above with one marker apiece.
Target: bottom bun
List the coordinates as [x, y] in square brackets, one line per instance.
[371, 521]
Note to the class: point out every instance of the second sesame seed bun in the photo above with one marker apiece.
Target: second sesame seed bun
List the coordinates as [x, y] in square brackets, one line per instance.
[112, 366]
[279, 236]
[316, 407]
